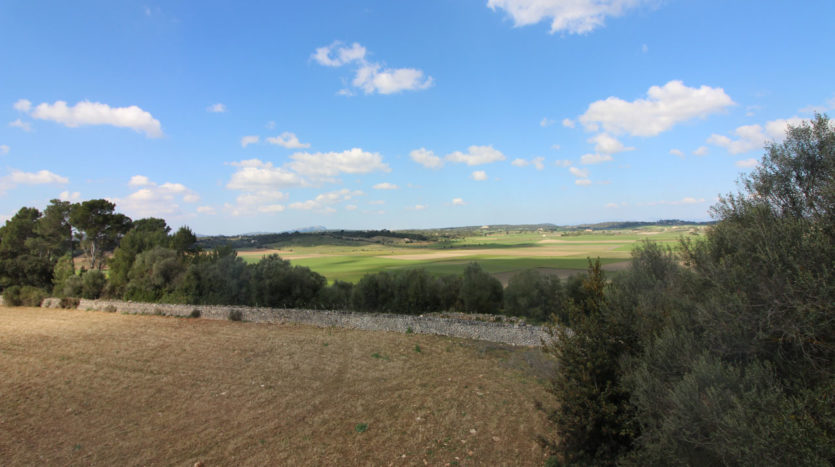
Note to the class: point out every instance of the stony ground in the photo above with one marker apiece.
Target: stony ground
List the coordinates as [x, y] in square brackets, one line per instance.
[99, 388]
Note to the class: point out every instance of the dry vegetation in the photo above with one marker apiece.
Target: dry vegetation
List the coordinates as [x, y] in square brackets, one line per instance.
[100, 388]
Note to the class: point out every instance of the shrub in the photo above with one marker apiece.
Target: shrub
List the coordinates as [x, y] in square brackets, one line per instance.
[535, 296]
[195, 313]
[480, 292]
[23, 296]
[235, 315]
[110, 309]
[70, 303]
[11, 296]
[92, 284]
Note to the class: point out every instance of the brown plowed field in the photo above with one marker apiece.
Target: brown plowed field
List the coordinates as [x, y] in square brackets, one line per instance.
[98, 388]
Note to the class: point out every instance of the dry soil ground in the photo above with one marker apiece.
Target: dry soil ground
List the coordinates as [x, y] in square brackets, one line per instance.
[108, 389]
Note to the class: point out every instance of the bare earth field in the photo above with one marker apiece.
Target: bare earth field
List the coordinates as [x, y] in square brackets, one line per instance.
[100, 388]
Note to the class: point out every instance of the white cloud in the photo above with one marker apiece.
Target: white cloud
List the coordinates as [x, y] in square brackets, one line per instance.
[594, 158]
[323, 165]
[41, 177]
[754, 137]
[23, 105]
[701, 151]
[270, 208]
[25, 126]
[377, 202]
[479, 175]
[371, 77]
[350, 207]
[251, 139]
[476, 155]
[606, 144]
[458, 202]
[206, 210]
[420, 207]
[155, 200]
[253, 175]
[555, 147]
[611, 205]
[562, 163]
[385, 186]
[324, 201]
[288, 140]
[644, 48]
[747, 163]
[582, 182]
[96, 113]
[537, 162]
[69, 196]
[546, 122]
[677, 152]
[426, 158]
[4, 149]
[139, 180]
[580, 173]
[573, 17]
[335, 55]
[216, 108]
[664, 107]
[568, 123]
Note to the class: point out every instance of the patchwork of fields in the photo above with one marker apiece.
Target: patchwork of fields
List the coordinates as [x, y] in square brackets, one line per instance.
[500, 253]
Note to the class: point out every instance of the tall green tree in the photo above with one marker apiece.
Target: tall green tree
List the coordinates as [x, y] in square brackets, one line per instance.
[145, 234]
[99, 227]
[23, 261]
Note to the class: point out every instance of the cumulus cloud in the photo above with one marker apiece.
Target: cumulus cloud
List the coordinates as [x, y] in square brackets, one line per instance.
[323, 165]
[251, 139]
[288, 140]
[562, 163]
[96, 113]
[22, 105]
[41, 177]
[139, 180]
[754, 137]
[664, 107]
[573, 17]
[350, 207]
[420, 207]
[206, 210]
[25, 126]
[370, 77]
[568, 123]
[537, 162]
[385, 186]
[546, 122]
[747, 163]
[594, 158]
[324, 201]
[607, 144]
[476, 155]
[701, 151]
[677, 153]
[479, 175]
[4, 149]
[686, 200]
[580, 173]
[254, 175]
[426, 158]
[216, 108]
[582, 182]
[69, 196]
[156, 200]
[458, 202]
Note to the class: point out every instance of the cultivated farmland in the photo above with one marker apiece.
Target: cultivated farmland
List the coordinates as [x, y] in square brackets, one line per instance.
[500, 252]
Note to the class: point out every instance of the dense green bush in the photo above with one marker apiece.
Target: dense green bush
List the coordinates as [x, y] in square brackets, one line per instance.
[93, 284]
[275, 283]
[480, 292]
[729, 359]
[536, 296]
[23, 296]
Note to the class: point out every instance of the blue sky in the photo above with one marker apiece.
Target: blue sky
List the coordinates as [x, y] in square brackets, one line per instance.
[235, 117]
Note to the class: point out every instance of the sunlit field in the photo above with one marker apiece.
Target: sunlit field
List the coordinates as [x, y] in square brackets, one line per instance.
[501, 254]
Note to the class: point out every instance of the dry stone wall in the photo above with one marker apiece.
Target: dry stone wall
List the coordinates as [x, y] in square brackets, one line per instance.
[515, 334]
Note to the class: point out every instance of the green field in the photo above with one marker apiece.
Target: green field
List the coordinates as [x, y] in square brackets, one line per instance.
[500, 253]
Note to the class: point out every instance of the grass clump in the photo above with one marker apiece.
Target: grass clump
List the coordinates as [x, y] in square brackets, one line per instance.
[361, 427]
